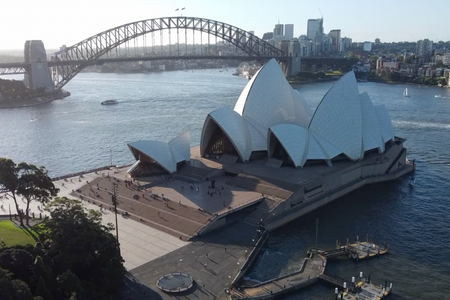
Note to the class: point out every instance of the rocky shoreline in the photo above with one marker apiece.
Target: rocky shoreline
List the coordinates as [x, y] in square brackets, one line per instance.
[35, 101]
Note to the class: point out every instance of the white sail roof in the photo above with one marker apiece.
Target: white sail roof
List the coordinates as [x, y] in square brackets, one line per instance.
[385, 123]
[338, 118]
[158, 151]
[268, 99]
[294, 140]
[234, 126]
[371, 130]
[181, 147]
[167, 155]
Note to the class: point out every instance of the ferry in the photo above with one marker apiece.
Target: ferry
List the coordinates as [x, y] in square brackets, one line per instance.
[109, 102]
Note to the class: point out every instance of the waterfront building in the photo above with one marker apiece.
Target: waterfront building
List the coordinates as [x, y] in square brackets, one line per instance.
[271, 119]
[289, 31]
[446, 59]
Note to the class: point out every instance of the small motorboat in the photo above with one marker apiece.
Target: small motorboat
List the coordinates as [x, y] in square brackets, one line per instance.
[109, 102]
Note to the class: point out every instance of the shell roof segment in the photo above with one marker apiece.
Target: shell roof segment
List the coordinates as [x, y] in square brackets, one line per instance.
[338, 118]
[167, 155]
[269, 99]
[234, 126]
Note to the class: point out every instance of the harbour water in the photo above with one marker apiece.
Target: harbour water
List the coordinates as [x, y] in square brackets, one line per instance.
[78, 133]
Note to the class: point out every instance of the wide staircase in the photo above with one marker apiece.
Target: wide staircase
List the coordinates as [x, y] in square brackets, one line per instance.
[193, 174]
[274, 188]
[260, 212]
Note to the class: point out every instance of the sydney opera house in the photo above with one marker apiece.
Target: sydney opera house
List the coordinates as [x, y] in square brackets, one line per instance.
[272, 142]
[272, 119]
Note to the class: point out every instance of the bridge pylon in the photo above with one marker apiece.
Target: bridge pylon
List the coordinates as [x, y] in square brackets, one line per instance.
[38, 74]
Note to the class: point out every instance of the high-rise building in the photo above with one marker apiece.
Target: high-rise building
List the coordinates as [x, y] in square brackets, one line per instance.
[284, 46]
[424, 47]
[278, 30]
[315, 28]
[335, 36]
[377, 42]
[289, 31]
[367, 46]
[267, 36]
[346, 43]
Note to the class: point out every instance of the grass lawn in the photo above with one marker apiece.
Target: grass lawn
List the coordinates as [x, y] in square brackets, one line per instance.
[13, 235]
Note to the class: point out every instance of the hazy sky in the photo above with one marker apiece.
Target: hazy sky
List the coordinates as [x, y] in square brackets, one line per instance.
[58, 22]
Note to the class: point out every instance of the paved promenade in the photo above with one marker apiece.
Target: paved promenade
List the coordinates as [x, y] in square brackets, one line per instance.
[139, 243]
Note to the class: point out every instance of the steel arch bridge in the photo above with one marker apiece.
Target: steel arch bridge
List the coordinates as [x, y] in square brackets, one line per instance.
[92, 48]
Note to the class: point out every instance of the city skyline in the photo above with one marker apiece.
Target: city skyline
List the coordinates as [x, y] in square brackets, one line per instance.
[390, 22]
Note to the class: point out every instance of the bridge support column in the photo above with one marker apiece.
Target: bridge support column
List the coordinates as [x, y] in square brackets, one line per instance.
[38, 75]
[296, 64]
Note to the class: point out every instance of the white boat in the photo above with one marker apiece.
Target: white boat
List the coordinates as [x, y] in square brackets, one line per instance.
[405, 93]
[109, 102]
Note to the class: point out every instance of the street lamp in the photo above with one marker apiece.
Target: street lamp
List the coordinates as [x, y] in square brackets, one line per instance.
[115, 202]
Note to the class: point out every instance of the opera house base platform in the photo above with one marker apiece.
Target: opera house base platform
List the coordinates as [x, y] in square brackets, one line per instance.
[207, 194]
[289, 193]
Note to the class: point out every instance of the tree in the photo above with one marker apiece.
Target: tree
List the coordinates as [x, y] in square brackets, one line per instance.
[26, 180]
[19, 262]
[9, 181]
[69, 285]
[13, 289]
[35, 184]
[82, 244]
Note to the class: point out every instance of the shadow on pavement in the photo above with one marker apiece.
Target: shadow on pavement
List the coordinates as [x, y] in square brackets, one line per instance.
[134, 290]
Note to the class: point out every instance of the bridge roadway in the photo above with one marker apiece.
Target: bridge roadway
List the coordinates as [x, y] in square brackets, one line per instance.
[101, 61]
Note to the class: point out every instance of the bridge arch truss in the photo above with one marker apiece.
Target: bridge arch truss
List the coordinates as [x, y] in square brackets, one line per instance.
[71, 60]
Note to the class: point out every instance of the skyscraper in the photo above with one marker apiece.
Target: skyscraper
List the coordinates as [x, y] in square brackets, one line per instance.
[335, 36]
[278, 30]
[315, 28]
[424, 47]
[289, 31]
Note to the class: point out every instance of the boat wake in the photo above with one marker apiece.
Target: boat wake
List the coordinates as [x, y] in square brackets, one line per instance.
[421, 124]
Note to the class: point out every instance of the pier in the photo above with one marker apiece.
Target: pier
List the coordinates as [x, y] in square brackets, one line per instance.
[312, 270]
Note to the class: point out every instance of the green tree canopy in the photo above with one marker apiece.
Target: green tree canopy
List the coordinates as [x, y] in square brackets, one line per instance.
[26, 180]
[80, 243]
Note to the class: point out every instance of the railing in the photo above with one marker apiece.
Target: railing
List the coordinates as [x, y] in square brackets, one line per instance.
[251, 257]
